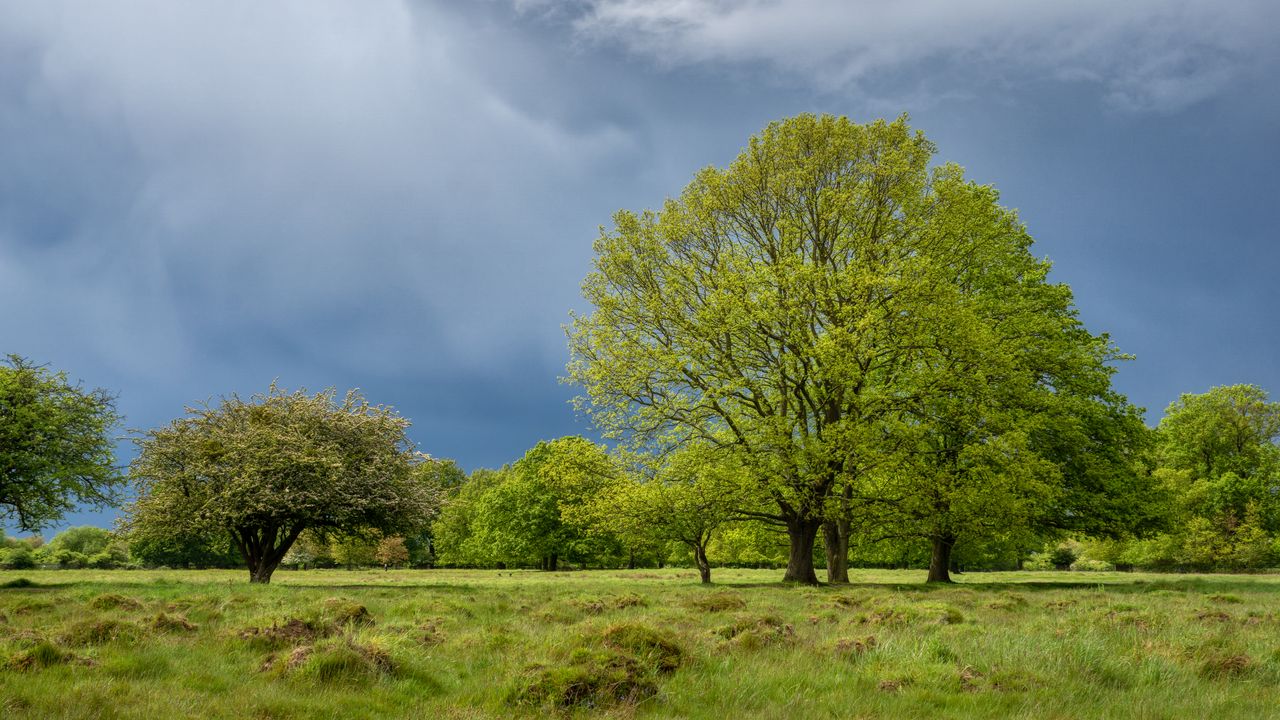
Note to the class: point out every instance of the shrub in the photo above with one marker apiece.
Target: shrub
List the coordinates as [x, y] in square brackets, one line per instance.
[1062, 556]
[19, 558]
[1090, 565]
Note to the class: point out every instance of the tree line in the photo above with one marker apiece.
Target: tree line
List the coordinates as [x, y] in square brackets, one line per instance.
[831, 351]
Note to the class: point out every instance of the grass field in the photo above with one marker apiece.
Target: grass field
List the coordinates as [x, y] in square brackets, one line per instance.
[478, 644]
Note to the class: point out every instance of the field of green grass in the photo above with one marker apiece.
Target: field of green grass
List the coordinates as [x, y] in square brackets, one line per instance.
[646, 644]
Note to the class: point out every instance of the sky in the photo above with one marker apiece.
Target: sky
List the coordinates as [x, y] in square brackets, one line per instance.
[200, 198]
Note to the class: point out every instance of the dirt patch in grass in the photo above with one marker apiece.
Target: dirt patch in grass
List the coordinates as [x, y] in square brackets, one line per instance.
[718, 602]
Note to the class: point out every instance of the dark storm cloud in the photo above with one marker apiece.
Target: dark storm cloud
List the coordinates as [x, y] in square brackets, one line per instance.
[198, 198]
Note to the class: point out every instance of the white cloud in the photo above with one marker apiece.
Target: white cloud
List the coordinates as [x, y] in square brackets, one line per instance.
[1147, 55]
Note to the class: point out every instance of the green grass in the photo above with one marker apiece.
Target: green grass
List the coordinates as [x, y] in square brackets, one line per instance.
[645, 644]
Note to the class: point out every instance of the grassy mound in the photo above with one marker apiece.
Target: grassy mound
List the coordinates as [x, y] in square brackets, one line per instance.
[99, 631]
[652, 648]
[753, 632]
[165, 622]
[293, 631]
[592, 679]
[342, 611]
[337, 661]
[42, 655]
[619, 666]
[112, 601]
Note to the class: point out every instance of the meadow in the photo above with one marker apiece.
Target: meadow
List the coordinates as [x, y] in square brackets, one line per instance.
[641, 643]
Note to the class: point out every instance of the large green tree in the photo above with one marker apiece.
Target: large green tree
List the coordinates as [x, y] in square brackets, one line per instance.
[264, 469]
[56, 449]
[793, 308]
[1029, 439]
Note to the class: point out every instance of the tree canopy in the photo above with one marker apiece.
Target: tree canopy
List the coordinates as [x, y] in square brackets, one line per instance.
[264, 469]
[810, 308]
[523, 514]
[56, 449]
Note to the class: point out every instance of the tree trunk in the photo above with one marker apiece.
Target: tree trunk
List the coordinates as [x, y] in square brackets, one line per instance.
[704, 565]
[802, 532]
[263, 549]
[940, 559]
[553, 563]
[835, 535]
[261, 573]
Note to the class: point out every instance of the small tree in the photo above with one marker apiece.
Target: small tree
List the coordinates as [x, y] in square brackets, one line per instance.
[686, 500]
[55, 444]
[265, 469]
[392, 551]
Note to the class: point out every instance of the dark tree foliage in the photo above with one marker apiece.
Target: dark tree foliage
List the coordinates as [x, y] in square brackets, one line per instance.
[55, 445]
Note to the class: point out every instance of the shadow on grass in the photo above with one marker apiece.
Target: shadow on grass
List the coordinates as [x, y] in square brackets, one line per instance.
[1140, 585]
